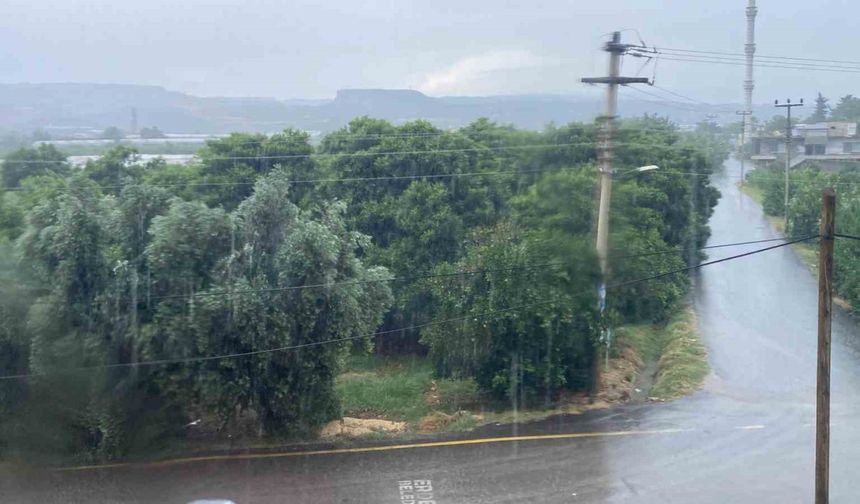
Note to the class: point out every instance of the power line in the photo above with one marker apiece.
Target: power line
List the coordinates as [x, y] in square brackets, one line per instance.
[740, 58]
[356, 282]
[267, 140]
[427, 276]
[403, 177]
[811, 66]
[759, 65]
[721, 245]
[702, 265]
[359, 154]
[393, 177]
[679, 95]
[780, 179]
[272, 140]
[339, 284]
[663, 101]
[332, 180]
[184, 360]
[758, 56]
[850, 237]
[363, 153]
[737, 57]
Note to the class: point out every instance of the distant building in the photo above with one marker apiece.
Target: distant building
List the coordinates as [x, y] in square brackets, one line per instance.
[828, 144]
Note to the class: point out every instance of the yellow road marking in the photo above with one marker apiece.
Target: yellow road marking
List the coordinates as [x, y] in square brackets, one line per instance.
[368, 449]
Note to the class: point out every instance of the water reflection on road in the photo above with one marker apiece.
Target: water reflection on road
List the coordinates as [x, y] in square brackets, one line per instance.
[758, 317]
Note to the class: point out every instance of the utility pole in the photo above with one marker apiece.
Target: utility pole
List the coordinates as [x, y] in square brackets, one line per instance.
[749, 81]
[744, 114]
[788, 106]
[615, 49]
[825, 301]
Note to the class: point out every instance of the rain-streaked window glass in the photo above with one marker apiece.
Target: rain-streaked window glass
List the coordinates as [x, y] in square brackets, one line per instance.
[428, 252]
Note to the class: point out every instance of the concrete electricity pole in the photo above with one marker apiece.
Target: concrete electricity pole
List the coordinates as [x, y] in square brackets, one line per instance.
[788, 106]
[742, 149]
[825, 305]
[749, 82]
[615, 49]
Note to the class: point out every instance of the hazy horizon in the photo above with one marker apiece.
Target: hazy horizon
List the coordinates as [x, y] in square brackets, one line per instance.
[308, 51]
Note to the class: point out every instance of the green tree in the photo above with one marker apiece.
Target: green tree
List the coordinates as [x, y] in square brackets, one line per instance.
[115, 168]
[770, 180]
[822, 110]
[231, 165]
[12, 217]
[186, 243]
[28, 162]
[776, 125]
[251, 306]
[848, 109]
[14, 344]
[415, 206]
[522, 328]
[180, 180]
[67, 248]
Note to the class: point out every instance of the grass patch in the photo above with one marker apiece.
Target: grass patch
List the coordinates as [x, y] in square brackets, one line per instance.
[683, 362]
[461, 423]
[681, 358]
[454, 395]
[647, 339]
[402, 389]
[392, 388]
[753, 192]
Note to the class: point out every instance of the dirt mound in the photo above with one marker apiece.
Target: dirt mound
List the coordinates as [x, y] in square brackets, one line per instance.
[435, 421]
[357, 427]
[438, 420]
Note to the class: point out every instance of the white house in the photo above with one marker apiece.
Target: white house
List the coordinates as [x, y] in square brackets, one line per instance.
[829, 144]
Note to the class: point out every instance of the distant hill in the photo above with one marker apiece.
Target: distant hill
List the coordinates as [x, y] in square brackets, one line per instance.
[77, 107]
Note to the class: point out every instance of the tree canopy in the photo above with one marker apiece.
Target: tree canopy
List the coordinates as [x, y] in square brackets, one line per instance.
[234, 289]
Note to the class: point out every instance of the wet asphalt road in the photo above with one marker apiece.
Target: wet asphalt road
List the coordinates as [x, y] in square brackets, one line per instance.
[747, 437]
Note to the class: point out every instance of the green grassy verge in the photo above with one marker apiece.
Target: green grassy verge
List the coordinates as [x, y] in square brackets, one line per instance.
[680, 356]
[401, 389]
[646, 339]
[683, 363]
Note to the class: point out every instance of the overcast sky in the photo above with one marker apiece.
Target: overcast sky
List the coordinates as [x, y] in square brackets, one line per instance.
[311, 48]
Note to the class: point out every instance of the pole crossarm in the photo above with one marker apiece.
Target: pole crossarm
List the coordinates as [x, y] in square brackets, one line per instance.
[615, 80]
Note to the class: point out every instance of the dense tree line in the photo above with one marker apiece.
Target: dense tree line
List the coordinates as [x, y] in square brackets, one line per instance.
[120, 281]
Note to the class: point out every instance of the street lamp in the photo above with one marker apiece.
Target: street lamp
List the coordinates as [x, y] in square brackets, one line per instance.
[640, 169]
[603, 247]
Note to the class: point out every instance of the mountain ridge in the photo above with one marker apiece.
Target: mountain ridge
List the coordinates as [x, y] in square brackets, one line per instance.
[70, 107]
